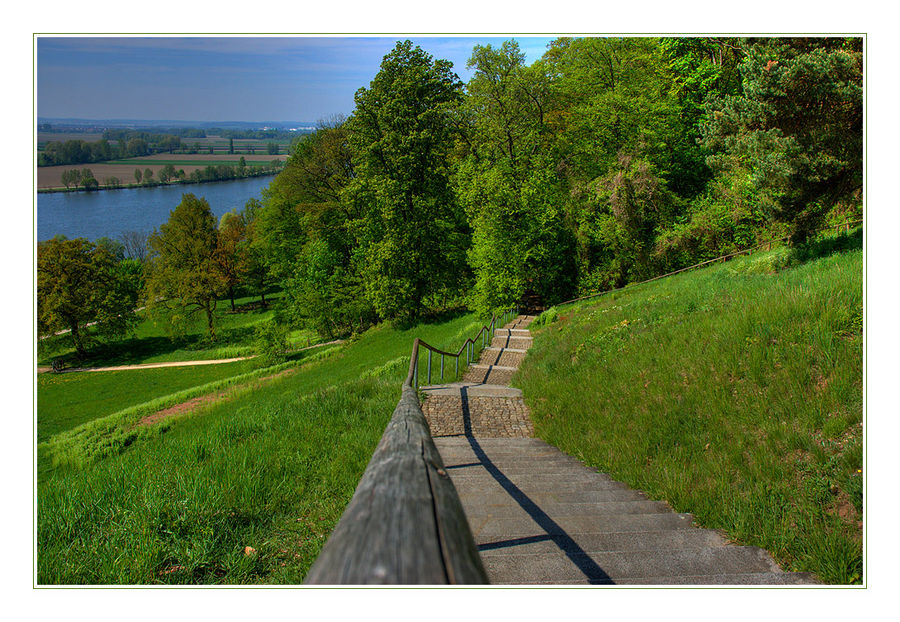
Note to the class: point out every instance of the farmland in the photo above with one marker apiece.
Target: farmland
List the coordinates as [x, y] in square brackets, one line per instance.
[51, 176]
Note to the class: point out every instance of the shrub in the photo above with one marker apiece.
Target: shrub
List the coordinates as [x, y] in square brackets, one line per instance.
[271, 343]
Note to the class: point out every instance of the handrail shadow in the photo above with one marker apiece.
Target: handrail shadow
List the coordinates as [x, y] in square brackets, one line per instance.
[554, 532]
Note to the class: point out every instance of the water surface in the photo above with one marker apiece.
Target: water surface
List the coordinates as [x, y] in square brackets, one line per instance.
[110, 213]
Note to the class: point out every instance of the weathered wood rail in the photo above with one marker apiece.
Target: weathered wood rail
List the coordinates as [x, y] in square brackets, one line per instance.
[405, 523]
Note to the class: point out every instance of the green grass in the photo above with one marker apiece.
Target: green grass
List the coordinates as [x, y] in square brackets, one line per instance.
[732, 392]
[65, 401]
[271, 469]
[154, 342]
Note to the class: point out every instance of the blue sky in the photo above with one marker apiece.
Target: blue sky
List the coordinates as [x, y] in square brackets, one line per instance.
[224, 78]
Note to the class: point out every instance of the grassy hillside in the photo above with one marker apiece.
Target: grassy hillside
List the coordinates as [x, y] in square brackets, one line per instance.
[65, 401]
[733, 392]
[271, 470]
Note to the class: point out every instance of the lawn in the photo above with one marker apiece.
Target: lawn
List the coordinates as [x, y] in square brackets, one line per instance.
[65, 401]
[154, 342]
[271, 469]
[733, 392]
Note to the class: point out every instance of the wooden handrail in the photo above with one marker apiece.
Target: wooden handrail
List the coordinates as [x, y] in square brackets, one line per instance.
[405, 523]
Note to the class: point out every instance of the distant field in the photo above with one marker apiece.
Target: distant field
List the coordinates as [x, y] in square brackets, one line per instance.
[46, 137]
[51, 176]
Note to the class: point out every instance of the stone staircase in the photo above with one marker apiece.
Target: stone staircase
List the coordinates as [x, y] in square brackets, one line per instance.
[540, 516]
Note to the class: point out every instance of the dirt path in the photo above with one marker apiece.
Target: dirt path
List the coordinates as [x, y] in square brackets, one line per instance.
[42, 370]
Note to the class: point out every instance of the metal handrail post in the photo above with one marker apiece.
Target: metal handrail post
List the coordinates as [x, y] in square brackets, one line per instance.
[442, 366]
[429, 367]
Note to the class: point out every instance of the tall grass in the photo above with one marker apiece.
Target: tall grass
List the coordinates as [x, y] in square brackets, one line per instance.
[733, 392]
[271, 470]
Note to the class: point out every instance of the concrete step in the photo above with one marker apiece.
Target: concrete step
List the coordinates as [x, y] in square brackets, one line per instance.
[532, 487]
[670, 539]
[489, 374]
[762, 578]
[473, 389]
[720, 561]
[505, 332]
[517, 343]
[487, 508]
[519, 527]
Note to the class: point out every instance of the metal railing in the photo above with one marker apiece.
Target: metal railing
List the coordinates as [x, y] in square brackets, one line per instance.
[405, 523]
[469, 346]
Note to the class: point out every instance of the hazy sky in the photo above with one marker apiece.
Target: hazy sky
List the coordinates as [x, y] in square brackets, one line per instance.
[224, 79]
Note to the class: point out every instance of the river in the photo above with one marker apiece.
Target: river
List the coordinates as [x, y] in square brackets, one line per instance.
[110, 213]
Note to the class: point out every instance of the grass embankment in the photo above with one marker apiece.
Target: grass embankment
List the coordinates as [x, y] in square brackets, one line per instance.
[65, 401]
[272, 470]
[733, 392]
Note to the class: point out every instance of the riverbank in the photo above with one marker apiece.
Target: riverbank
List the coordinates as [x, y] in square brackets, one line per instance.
[174, 182]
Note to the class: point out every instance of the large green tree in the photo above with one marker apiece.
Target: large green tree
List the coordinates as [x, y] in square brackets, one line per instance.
[302, 230]
[508, 182]
[80, 284]
[185, 273]
[411, 235]
[797, 127]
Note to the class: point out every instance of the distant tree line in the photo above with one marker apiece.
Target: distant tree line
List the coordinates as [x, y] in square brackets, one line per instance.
[82, 152]
[84, 178]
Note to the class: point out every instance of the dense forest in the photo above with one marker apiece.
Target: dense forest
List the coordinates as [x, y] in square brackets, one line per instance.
[605, 162]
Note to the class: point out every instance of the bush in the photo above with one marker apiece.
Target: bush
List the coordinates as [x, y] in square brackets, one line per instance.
[271, 343]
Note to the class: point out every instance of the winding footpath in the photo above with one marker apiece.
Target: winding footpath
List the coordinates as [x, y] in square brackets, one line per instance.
[540, 516]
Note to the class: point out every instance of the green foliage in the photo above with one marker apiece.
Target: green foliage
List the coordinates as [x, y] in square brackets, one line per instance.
[186, 272]
[410, 232]
[797, 126]
[271, 343]
[78, 284]
[508, 184]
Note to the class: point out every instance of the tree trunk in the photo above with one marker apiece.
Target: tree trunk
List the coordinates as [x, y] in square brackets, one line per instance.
[209, 322]
[263, 295]
[76, 338]
[231, 296]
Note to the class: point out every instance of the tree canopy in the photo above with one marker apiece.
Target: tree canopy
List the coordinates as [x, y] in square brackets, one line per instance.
[185, 272]
[81, 284]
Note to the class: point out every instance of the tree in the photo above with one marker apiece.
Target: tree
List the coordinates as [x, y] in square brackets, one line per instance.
[231, 251]
[79, 284]
[797, 127]
[167, 173]
[256, 272]
[185, 275]
[71, 177]
[138, 175]
[87, 180]
[136, 245]
[302, 234]
[148, 176]
[509, 185]
[412, 235]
